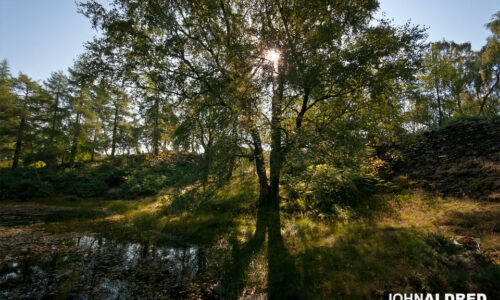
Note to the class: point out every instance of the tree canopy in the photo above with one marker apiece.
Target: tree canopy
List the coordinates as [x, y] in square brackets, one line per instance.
[284, 84]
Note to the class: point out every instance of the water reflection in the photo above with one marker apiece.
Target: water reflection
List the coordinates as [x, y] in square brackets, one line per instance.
[95, 267]
[185, 263]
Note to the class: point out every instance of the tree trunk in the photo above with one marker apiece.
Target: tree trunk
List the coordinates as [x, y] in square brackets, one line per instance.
[440, 120]
[206, 165]
[269, 192]
[303, 109]
[93, 145]
[156, 131]
[232, 158]
[277, 153]
[260, 165]
[54, 119]
[20, 132]
[115, 127]
[19, 142]
[74, 145]
[485, 98]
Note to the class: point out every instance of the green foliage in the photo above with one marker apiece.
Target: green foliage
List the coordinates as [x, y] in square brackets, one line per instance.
[201, 81]
[456, 80]
[8, 122]
[464, 118]
[150, 180]
[134, 178]
[24, 184]
[148, 183]
[321, 188]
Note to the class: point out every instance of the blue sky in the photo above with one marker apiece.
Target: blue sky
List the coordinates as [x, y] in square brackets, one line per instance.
[41, 36]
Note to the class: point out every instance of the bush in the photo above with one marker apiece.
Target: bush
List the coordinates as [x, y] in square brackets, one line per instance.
[465, 118]
[145, 183]
[133, 175]
[323, 188]
[23, 184]
[151, 180]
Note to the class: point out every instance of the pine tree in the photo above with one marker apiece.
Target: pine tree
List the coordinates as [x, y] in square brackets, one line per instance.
[57, 89]
[27, 91]
[8, 122]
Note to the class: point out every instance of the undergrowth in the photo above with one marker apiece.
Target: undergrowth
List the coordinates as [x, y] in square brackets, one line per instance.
[404, 246]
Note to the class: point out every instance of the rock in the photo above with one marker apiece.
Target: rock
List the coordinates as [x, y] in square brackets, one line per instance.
[469, 243]
[113, 193]
[461, 160]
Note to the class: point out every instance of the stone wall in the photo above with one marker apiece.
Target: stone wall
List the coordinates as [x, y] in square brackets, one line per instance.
[461, 160]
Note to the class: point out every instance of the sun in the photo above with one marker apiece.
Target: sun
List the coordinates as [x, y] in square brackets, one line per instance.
[273, 56]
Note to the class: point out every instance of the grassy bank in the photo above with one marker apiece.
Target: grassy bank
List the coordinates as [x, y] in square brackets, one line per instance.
[404, 245]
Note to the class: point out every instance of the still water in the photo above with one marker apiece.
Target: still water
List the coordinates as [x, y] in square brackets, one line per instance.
[92, 267]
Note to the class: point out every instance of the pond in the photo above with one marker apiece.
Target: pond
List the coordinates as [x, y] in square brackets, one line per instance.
[93, 267]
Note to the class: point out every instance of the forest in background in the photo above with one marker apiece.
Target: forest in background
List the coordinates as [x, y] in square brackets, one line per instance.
[161, 78]
[222, 110]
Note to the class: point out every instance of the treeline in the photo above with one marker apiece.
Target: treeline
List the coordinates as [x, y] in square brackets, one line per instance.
[455, 80]
[63, 120]
[290, 87]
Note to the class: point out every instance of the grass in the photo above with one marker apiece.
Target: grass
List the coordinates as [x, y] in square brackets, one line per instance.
[189, 216]
[402, 246]
[448, 216]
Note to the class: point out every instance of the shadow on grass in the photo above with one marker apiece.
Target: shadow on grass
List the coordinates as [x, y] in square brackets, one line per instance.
[204, 217]
[368, 261]
[474, 221]
[192, 217]
[363, 260]
[74, 215]
[283, 281]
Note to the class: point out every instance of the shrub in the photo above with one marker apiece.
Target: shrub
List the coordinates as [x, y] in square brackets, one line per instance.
[145, 183]
[465, 118]
[23, 184]
[151, 180]
[135, 176]
[323, 187]
[85, 181]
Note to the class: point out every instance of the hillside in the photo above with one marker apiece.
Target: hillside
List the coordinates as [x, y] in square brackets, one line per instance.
[460, 160]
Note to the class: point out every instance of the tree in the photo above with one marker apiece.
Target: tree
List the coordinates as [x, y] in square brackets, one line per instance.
[456, 80]
[133, 52]
[97, 118]
[57, 89]
[329, 55]
[8, 122]
[80, 104]
[446, 76]
[489, 65]
[214, 132]
[119, 106]
[27, 91]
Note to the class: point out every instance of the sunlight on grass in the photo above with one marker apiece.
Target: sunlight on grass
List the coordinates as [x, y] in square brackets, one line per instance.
[448, 216]
[353, 254]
